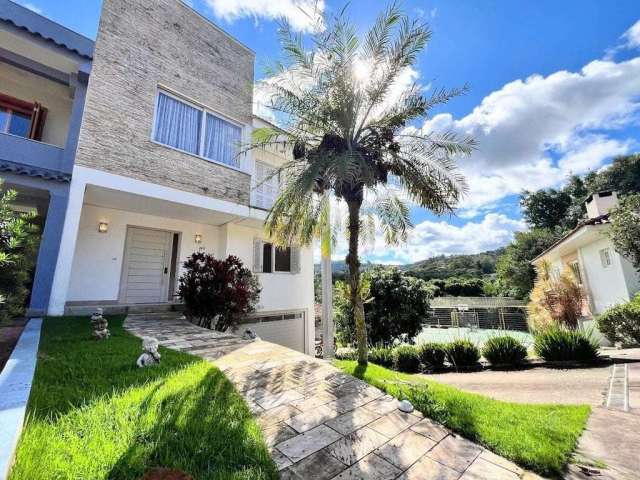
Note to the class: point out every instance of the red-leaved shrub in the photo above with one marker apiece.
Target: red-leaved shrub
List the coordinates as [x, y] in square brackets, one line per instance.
[217, 293]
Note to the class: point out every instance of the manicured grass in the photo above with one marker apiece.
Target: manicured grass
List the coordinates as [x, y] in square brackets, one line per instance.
[94, 415]
[537, 437]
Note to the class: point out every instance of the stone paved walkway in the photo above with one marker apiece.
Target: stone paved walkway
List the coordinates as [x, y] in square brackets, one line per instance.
[322, 424]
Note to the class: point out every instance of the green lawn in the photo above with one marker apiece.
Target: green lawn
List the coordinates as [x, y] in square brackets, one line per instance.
[537, 437]
[94, 415]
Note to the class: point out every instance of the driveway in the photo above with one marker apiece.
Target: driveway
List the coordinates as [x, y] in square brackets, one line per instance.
[322, 424]
[535, 385]
[612, 435]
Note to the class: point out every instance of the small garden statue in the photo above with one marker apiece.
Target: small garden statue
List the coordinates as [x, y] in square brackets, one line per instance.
[150, 355]
[100, 331]
[250, 335]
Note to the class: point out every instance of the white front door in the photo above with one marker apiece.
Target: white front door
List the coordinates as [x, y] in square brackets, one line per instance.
[147, 261]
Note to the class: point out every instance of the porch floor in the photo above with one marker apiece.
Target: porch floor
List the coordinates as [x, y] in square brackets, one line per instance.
[323, 424]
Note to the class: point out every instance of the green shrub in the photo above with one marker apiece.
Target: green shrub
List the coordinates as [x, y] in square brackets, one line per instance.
[382, 356]
[504, 350]
[557, 343]
[346, 353]
[432, 355]
[462, 353]
[406, 359]
[622, 322]
[18, 250]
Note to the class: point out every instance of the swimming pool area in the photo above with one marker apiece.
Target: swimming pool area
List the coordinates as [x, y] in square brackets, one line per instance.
[477, 335]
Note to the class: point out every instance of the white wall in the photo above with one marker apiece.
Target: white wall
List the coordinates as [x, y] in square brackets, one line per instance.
[280, 291]
[53, 96]
[97, 262]
[607, 285]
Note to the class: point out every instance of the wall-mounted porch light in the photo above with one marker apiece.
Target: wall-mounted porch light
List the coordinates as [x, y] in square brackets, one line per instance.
[198, 238]
[103, 227]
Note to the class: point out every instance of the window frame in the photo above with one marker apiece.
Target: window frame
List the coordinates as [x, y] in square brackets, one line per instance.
[577, 271]
[261, 182]
[273, 259]
[605, 252]
[203, 118]
[34, 110]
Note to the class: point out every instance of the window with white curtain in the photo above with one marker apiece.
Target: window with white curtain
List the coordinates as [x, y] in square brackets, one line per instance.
[193, 129]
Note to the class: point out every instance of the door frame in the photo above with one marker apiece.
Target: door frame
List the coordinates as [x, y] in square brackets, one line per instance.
[122, 290]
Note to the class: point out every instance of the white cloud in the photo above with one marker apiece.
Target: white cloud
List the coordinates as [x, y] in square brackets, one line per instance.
[631, 37]
[431, 238]
[302, 15]
[532, 133]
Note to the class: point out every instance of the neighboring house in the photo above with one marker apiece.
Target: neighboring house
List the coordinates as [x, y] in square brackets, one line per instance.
[157, 175]
[44, 70]
[606, 277]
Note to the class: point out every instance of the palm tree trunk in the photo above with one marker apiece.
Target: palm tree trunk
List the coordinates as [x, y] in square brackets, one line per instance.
[353, 262]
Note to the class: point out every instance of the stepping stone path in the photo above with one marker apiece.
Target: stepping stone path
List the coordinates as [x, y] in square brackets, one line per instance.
[321, 424]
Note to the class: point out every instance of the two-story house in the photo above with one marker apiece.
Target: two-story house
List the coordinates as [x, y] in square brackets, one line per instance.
[44, 70]
[156, 174]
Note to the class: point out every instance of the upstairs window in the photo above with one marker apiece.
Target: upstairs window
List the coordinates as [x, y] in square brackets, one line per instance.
[605, 257]
[266, 186]
[195, 130]
[21, 118]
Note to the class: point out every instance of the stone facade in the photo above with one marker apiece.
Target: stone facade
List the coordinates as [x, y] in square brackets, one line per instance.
[140, 46]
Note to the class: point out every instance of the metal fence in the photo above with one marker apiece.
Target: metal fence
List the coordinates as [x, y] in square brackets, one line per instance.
[504, 318]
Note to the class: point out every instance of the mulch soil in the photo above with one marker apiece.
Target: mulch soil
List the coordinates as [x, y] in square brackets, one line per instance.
[9, 335]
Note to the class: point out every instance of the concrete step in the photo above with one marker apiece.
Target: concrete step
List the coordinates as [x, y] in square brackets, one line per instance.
[124, 309]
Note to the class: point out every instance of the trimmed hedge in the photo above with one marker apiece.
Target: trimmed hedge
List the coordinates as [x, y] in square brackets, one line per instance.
[406, 359]
[557, 343]
[432, 355]
[382, 356]
[462, 353]
[622, 322]
[504, 350]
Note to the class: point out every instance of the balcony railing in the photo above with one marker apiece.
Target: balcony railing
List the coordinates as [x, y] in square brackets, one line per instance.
[32, 153]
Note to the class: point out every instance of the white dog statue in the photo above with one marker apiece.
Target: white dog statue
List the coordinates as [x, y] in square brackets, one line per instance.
[150, 355]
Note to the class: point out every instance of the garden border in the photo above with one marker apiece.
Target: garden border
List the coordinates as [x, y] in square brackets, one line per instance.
[15, 385]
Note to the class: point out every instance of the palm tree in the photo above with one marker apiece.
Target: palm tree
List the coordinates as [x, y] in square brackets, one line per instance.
[351, 137]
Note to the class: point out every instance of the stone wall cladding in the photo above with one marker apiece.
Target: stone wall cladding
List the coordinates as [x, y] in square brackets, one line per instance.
[141, 45]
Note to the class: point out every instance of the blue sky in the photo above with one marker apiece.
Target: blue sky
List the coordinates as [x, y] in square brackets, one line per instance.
[554, 90]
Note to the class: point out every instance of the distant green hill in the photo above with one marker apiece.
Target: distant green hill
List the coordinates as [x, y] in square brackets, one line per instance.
[476, 265]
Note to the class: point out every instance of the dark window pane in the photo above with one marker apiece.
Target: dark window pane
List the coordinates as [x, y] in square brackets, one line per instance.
[266, 257]
[20, 123]
[283, 259]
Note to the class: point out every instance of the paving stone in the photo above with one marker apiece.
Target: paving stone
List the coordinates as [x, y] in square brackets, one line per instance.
[279, 458]
[455, 452]
[314, 401]
[383, 405]
[371, 467]
[308, 420]
[351, 421]
[274, 400]
[304, 444]
[318, 466]
[500, 461]
[405, 449]
[393, 423]
[428, 469]
[482, 470]
[266, 418]
[356, 445]
[278, 433]
[430, 429]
